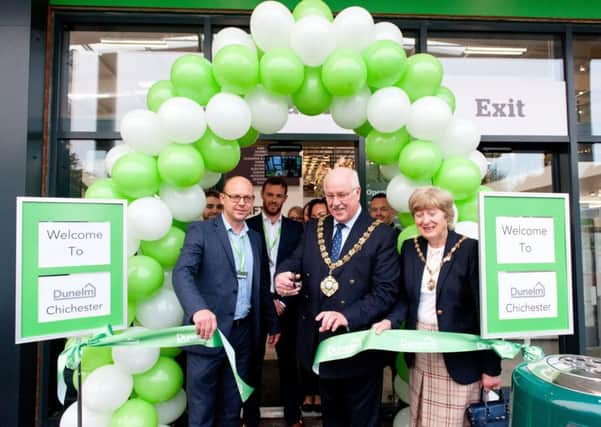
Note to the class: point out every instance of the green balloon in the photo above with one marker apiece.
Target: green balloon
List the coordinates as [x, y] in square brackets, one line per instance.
[165, 250]
[364, 129]
[144, 277]
[386, 62]
[131, 312]
[94, 357]
[135, 413]
[136, 175]
[158, 93]
[236, 69]
[447, 96]
[84, 375]
[181, 225]
[281, 71]
[420, 160]
[344, 73]
[385, 148]
[402, 369]
[249, 138]
[103, 189]
[405, 219]
[220, 155]
[408, 232]
[422, 76]
[161, 382]
[180, 165]
[192, 77]
[467, 209]
[312, 7]
[312, 98]
[459, 176]
[170, 351]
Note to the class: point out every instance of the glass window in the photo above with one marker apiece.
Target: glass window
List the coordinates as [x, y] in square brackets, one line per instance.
[587, 83]
[110, 73]
[589, 173]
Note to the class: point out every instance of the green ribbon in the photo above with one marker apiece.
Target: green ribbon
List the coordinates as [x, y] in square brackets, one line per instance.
[170, 337]
[347, 345]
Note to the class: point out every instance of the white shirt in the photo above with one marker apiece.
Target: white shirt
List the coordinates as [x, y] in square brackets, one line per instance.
[426, 311]
[272, 233]
[347, 229]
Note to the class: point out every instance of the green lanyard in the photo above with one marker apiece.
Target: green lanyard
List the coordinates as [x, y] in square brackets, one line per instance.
[239, 251]
[271, 244]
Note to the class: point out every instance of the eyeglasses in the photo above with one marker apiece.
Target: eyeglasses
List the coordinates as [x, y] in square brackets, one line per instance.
[236, 198]
[340, 196]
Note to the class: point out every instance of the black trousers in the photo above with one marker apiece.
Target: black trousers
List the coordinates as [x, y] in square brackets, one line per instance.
[352, 402]
[288, 372]
[213, 398]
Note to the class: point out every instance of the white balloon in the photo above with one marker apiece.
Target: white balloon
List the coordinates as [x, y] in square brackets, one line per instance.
[354, 28]
[133, 243]
[460, 138]
[162, 310]
[388, 109]
[229, 36]
[402, 418]
[182, 119]
[142, 131]
[429, 117]
[401, 388]
[270, 25]
[89, 418]
[115, 154]
[350, 112]
[455, 213]
[269, 112]
[170, 410]
[209, 179]
[135, 360]
[468, 228]
[149, 218]
[106, 388]
[480, 160]
[228, 116]
[185, 204]
[399, 190]
[313, 39]
[388, 31]
[168, 281]
[390, 171]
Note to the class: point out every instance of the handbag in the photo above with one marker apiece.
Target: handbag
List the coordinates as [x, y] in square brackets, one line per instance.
[492, 413]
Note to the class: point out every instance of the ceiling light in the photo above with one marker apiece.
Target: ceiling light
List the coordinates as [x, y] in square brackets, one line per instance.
[489, 50]
[132, 42]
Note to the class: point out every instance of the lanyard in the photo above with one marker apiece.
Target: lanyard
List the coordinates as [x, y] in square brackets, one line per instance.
[271, 243]
[239, 251]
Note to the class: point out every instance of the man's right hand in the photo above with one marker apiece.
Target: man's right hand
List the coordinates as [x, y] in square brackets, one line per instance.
[287, 284]
[205, 322]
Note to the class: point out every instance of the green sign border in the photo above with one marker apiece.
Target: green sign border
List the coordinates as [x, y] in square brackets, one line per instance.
[30, 212]
[493, 205]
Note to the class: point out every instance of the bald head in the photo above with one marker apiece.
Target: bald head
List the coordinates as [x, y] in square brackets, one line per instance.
[237, 199]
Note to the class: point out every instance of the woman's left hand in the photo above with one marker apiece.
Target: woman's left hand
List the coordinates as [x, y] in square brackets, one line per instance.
[491, 383]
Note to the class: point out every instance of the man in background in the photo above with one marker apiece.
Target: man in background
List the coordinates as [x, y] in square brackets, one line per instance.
[281, 236]
[214, 206]
[379, 208]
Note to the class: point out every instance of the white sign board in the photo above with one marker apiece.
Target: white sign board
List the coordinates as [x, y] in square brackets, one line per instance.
[527, 295]
[525, 240]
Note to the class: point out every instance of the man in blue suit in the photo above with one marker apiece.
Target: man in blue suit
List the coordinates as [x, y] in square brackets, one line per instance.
[221, 283]
[281, 236]
[345, 274]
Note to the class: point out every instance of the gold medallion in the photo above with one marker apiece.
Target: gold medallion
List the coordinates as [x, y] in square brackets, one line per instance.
[329, 285]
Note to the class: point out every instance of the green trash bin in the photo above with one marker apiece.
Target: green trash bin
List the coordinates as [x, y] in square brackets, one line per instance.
[558, 390]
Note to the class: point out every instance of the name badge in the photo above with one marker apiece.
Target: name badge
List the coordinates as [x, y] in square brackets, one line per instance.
[242, 274]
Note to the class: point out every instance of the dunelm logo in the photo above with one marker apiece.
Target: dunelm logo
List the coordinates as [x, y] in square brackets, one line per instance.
[87, 291]
[537, 291]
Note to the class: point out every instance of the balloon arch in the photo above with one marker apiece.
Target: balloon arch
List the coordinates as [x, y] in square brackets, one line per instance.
[193, 131]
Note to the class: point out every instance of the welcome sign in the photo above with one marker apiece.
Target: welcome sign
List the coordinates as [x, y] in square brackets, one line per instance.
[71, 267]
[525, 270]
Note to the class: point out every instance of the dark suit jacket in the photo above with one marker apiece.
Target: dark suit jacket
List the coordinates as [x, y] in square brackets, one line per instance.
[368, 290]
[292, 232]
[457, 304]
[205, 278]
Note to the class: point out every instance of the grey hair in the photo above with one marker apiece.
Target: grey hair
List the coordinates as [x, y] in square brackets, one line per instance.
[353, 174]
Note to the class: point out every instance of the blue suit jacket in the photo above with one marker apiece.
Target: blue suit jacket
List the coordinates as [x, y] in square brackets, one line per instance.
[368, 290]
[457, 304]
[205, 278]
